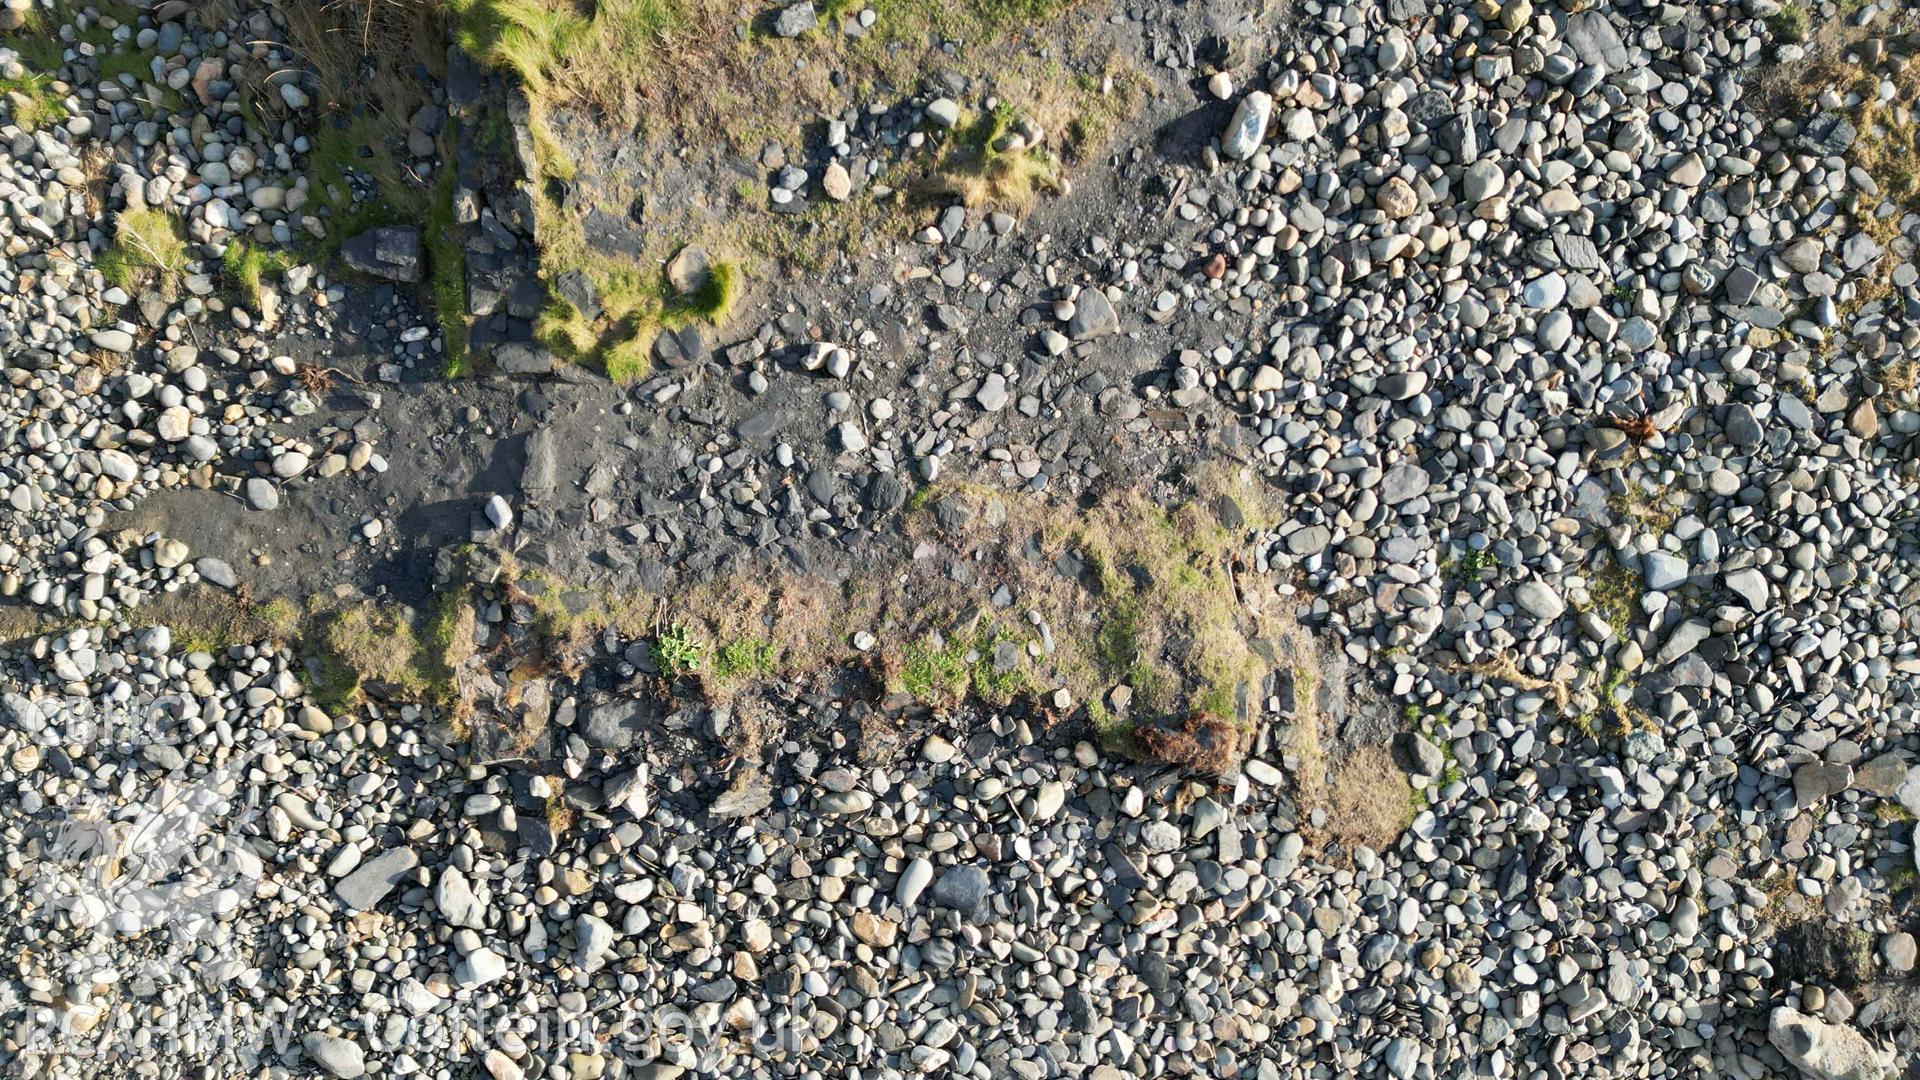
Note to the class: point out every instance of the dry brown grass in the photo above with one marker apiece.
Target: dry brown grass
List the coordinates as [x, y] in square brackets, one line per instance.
[1367, 801]
[19, 622]
[1899, 377]
[1887, 144]
[1888, 147]
[1158, 606]
[107, 363]
[362, 53]
[1653, 511]
[522, 726]
[568, 618]
[361, 648]
[1788, 90]
[1639, 428]
[681, 73]
[560, 815]
[1503, 669]
[804, 621]
[1202, 742]
[314, 379]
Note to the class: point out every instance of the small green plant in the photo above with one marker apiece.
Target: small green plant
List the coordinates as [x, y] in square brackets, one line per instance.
[338, 152]
[676, 651]
[1614, 591]
[1116, 641]
[1615, 713]
[996, 686]
[1218, 700]
[635, 307]
[496, 132]
[746, 657]
[1472, 563]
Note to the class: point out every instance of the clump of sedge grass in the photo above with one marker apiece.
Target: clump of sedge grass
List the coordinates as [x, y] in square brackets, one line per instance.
[247, 267]
[148, 251]
[33, 101]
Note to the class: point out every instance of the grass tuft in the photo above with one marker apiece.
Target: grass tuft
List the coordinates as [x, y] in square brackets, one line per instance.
[149, 251]
[1791, 22]
[138, 64]
[562, 328]
[710, 303]
[986, 163]
[37, 42]
[627, 360]
[247, 268]
[359, 648]
[633, 308]
[33, 101]
[676, 651]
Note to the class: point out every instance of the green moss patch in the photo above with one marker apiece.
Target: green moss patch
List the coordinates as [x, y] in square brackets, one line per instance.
[447, 277]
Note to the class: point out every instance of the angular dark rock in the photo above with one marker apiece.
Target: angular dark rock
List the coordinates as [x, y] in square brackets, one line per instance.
[372, 880]
[577, 289]
[617, 724]
[390, 252]
[1093, 316]
[523, 358]
[962, 888]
